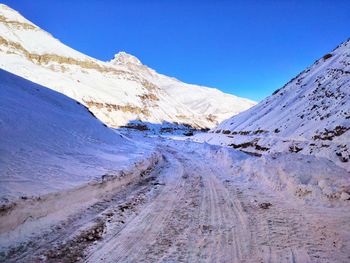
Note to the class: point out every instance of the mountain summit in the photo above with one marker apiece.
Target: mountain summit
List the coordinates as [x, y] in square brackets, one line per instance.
[117, 92]
[123, 58]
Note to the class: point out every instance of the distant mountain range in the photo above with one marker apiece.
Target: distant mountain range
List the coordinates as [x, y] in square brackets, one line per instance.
[118, 92]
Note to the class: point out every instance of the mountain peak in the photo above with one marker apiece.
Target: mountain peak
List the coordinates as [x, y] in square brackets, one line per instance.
[7, 14]
[125, 58]
[117, 91]
[7, 8]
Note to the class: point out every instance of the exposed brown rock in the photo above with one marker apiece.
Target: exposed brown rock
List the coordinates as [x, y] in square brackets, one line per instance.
[148, 85]
[113, 107]
[211, 118]
[137, 126]
[17, 24]
[46, 58]
[151, 97]
[330, 134]
[253, 144]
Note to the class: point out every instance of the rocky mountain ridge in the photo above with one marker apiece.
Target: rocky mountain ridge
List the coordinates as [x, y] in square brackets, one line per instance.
[309, 115]
[118, 92]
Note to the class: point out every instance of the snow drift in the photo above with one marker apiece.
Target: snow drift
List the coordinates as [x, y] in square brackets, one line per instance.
[306, 177]
[56, 158]
[50, 142]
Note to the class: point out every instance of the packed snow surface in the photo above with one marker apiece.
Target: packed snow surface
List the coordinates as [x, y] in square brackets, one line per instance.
[201, 203]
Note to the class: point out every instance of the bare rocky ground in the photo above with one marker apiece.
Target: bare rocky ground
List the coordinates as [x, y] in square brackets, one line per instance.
[189, 209]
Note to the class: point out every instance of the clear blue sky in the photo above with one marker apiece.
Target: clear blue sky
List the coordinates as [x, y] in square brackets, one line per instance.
[247, 48]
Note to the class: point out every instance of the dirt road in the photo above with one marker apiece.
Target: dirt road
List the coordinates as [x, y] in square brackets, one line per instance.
[189, 209]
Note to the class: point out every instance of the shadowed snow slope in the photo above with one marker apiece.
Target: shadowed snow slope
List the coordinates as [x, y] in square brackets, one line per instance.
[310, 114]
[50, 142]
[118, 91]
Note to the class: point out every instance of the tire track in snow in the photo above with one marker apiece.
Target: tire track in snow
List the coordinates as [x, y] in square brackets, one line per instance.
[194, 218]
[206, 213]
[211, 216]
[130, 242]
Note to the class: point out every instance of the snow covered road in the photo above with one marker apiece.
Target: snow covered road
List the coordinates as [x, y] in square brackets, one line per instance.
[191, 209]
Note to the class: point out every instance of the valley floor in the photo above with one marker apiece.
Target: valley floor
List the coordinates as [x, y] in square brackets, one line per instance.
[189, 208]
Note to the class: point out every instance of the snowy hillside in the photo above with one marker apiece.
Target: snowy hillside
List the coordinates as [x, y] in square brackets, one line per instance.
[50, 142]
[117, 92]
[309, 115]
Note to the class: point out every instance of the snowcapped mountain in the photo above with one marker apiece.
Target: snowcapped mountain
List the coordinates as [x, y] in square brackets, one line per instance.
[50, 142]
[310, 114]
[117, 92]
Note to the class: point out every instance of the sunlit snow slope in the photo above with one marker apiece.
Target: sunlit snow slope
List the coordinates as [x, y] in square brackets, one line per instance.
[310, 114]
[50, 142]
[118, 91]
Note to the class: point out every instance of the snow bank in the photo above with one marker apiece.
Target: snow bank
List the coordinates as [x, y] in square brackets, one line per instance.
[51, 143]
[19, 219]
[307, 177]
[304, 176]
[56, 157]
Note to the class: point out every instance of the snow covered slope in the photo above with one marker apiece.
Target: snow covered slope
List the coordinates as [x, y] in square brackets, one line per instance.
[118, 91]
[310, 114]
[50, 142]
